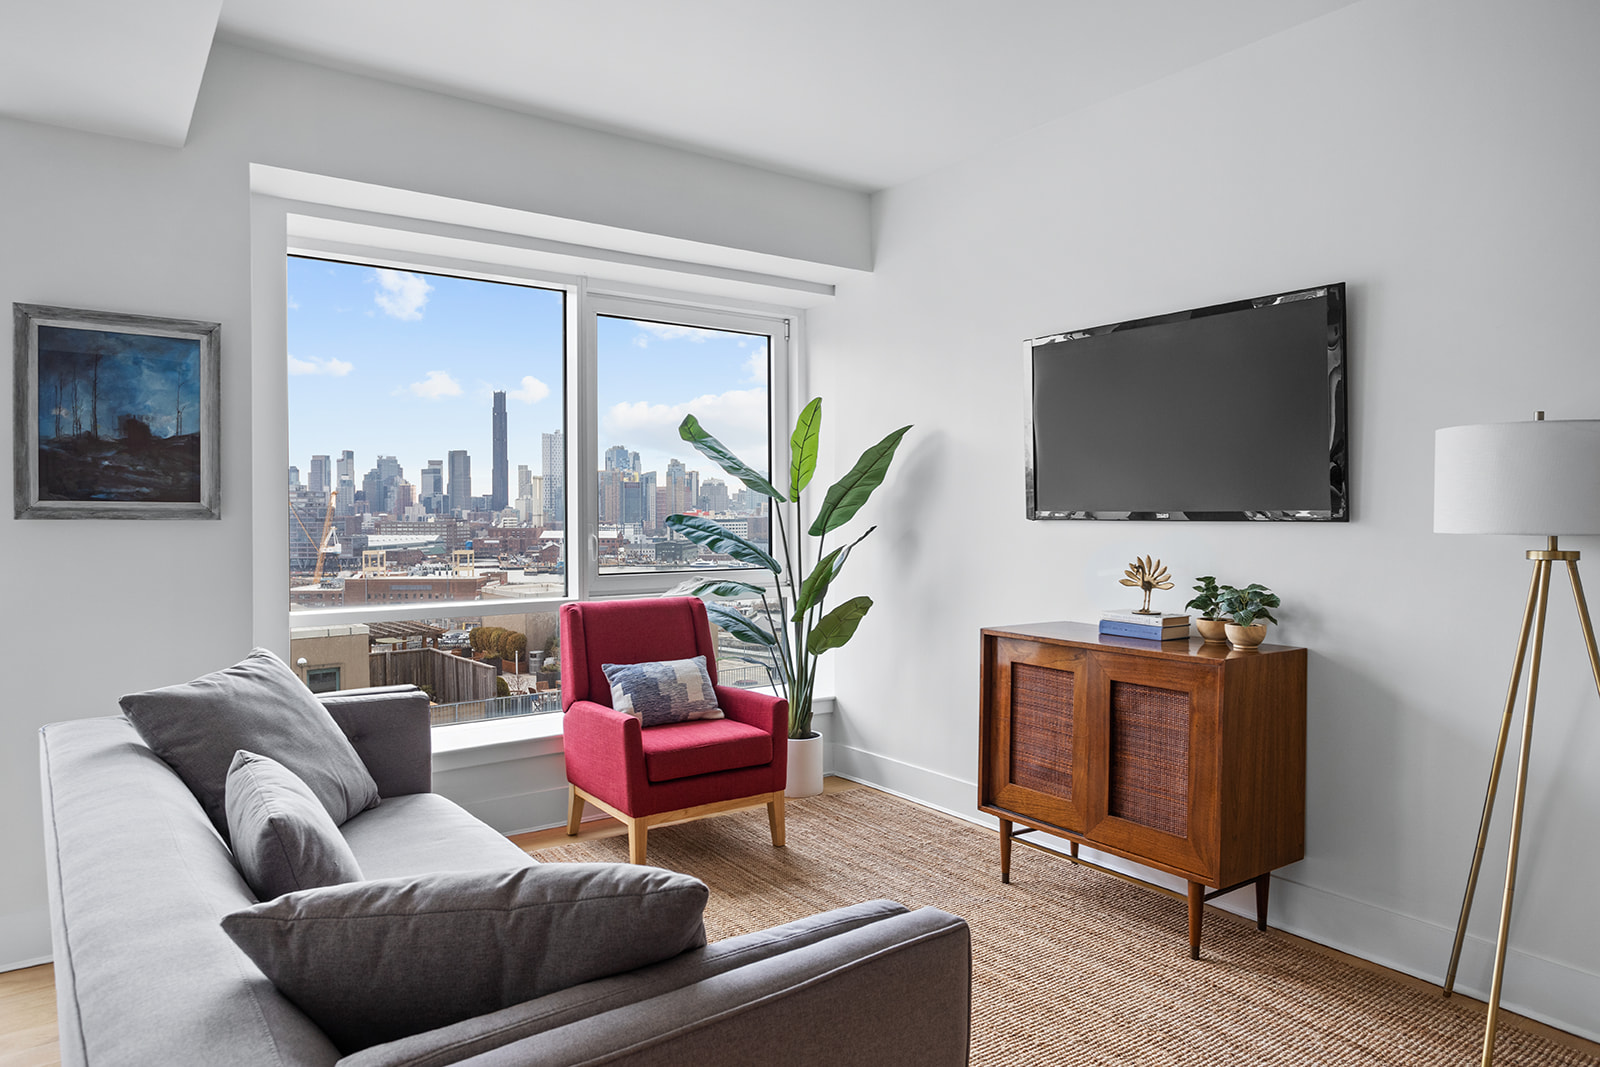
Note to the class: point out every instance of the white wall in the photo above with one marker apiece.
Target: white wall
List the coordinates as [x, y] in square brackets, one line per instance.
[1440, 157]
[97, 222]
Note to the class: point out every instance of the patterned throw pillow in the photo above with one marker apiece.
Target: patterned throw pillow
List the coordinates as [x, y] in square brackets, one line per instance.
[676, 690]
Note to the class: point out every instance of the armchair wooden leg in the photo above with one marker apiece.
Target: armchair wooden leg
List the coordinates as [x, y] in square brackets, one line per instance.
[638, 838]
[574, 810]
[775, 819]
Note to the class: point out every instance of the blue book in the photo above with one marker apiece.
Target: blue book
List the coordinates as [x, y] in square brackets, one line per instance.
[1146, 633]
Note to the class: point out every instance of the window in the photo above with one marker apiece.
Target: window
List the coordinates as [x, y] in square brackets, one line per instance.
[322, 679]
[652, 370]
[401, 381]
[398, 381]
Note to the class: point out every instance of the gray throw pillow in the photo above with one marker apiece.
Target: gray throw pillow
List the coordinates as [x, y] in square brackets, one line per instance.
[674, 690]
[282, 836]
[375, 961]
[260, 706]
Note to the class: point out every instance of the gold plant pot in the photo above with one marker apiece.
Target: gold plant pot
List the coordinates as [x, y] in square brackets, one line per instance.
[1212, 631]
[1246, 638]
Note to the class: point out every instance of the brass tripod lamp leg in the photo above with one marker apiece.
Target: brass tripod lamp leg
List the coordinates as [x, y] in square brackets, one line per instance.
[1516, 817]
[1494, 780]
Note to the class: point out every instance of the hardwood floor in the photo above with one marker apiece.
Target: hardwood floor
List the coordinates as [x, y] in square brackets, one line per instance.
[28, 998]
[28, 1018]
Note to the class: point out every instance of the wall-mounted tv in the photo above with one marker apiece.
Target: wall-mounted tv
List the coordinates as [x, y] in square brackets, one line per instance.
[1233, 412]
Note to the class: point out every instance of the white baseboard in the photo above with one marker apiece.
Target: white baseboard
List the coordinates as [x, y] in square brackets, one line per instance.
[19, 965]
[1551, 991]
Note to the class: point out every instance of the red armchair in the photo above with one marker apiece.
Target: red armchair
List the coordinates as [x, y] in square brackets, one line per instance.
[667, 773]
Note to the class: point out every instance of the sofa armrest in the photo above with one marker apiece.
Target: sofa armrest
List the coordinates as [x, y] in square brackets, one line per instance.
[761, 710]
[392, 733]
[894, 993]
[604, 752]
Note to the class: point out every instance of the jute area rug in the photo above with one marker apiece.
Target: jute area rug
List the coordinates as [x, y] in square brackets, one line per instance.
[1071, 966]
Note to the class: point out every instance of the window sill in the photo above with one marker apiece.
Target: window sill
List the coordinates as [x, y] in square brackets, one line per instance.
[477, 744]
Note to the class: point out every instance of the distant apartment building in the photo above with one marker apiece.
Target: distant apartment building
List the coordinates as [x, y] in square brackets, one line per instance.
[459, 489]
[391, 589]
[431, 489]
[294, 477]
[499, 494]
[317, 479]
[553, 462]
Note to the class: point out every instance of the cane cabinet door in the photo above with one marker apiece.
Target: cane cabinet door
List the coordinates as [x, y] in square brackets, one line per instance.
[1157, 787]
[1037, 762]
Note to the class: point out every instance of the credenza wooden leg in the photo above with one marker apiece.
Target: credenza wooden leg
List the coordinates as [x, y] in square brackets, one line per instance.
[1263, 886]
[1005, 851]
[1197, 907]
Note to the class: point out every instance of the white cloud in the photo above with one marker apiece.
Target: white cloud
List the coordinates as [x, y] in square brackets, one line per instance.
[437, 385]
[668, 331]
[755, 368]
[531, 391]
[338, 368]
[294, 305]
[401, 294]
[738, 418]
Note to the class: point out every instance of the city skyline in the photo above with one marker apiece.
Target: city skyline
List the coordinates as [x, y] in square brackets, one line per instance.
[404, 364]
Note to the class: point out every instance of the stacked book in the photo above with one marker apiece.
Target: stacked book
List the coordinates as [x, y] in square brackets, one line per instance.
[1145, 627]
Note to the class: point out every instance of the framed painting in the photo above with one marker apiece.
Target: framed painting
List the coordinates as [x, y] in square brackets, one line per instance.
[116, 415]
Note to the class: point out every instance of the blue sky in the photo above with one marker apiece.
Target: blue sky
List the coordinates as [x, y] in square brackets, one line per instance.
[405, 364]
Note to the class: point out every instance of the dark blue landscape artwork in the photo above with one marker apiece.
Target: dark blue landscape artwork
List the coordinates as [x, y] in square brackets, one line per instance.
[119, 416]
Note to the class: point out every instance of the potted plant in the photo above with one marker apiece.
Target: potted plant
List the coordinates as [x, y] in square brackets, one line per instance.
[799, 627]
[1241, 608]
[1210, 625]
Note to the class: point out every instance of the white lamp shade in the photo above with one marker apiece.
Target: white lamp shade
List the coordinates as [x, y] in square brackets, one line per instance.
[1517, 478]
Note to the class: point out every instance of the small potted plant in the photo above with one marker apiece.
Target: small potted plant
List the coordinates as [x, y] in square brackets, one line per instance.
[1210, 623]
[1241, 608]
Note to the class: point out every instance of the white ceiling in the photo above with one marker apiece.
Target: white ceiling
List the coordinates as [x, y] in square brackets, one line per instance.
[862, 93]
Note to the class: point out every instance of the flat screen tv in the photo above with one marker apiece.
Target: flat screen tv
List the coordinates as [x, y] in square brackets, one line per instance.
[1234, 412]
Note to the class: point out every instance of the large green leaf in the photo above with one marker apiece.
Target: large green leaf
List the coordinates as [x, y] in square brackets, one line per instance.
[715, 587]
[691, 431]
[739, 626]
[847, 495]
[815, 587]
[803, 448]
[703, 531]
[838, 625]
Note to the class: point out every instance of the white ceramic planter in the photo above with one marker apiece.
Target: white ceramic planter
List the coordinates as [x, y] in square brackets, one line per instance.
[805, 766]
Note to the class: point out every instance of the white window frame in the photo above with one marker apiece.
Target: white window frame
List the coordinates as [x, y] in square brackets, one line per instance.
[585, 298]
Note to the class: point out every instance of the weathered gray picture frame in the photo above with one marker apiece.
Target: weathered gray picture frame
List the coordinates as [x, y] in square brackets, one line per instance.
[116, 392]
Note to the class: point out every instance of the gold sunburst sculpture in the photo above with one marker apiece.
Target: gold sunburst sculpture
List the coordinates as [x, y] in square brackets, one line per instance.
[1149, 576]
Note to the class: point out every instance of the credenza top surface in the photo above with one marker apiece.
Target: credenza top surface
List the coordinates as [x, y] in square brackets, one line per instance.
[1088, 635]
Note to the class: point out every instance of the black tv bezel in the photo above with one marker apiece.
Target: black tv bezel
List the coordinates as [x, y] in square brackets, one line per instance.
[1338, 509]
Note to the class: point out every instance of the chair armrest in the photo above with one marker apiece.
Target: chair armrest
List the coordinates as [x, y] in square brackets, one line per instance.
[761, 710]
[604, 751]
[391, 731]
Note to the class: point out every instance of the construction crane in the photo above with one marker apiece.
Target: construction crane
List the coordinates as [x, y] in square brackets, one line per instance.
[323, 547]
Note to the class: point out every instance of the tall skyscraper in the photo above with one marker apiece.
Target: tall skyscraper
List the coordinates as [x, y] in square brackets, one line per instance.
[647, 483]
[294, 477]
[501, 473]
[553, 460]
[345, 467]
[524, 479]
[317, 480]
[459, 491]
[432, 488]
[618, 458]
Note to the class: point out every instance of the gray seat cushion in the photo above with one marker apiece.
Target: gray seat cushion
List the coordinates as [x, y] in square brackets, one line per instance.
[258, 705]
[460, 1041]
[282, 836]
[374, 961]
[421, 833]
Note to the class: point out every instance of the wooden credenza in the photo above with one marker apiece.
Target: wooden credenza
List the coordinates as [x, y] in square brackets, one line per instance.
[1185, 757]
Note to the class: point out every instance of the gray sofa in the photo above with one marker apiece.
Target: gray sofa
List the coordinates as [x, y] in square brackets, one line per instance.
[139, 881]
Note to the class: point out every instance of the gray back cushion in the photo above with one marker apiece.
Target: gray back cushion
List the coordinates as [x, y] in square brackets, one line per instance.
[258, 705]
[375, 961]
[282, 836]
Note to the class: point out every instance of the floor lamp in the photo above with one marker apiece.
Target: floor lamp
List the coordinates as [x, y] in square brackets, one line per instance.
[1538, 478]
